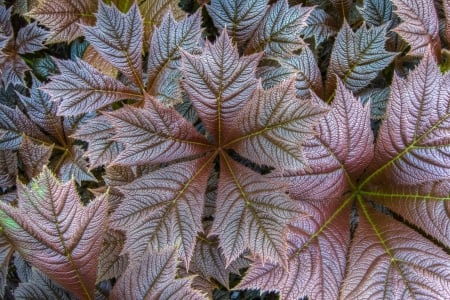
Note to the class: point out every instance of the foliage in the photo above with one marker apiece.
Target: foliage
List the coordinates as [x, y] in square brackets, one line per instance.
[303, 151]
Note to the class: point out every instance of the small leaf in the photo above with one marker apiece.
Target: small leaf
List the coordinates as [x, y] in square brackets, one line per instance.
[40, 287]
[251, 212]
[30, 38]
[98, 133]
[319, 25]
[377, 99]
[8, 169]
[167, 40]
[33, 157]
[154, 134]
[220, 82]
[420, 27]
[93, 58]
[376, 12]
[118, 39]
[278, 34]
[82, 88]
[53, 231]
[63, 17]
[163, 208]
[111, 264]
[239, 17]
[153, 277]
[276, 121]
[75, 166]
[357, 58]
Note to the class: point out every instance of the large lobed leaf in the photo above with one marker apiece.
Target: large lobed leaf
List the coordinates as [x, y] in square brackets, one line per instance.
[53, 231]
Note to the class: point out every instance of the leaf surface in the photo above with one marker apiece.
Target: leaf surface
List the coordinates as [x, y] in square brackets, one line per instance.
[8, 168]
[111, 264]
[63, 17]
[33, 157]
[420, 26]
[6, 252]
[83, 89]
[53, 231]
[239, 17]
[118, 38]
[278, 34]
[154, 134]
[357, 58]
[30, 38]
[319, 25]
[40, 287]
[376, 12]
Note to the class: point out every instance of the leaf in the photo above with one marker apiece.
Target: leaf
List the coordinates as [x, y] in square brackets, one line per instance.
[398, 255]
[308, 73]
[420, 27]
[252, 212]
[83, 88]
[111, 264]
[154, 134]
[319, 25]
[273, 74]
[164, 208]
[239, 17]
[14, 124]
[377, 99]
[53, 231]
[101, 150]
[376, 12]
[30, 38]
[75, 166]
[42, 111]
[117, 37]
[93, 58]
[167, 40]
[446, 9]
[153, 277]
[63, 17]
[413, 144]
[276, 121]
[33, 157]
[6, 252]
[278, 34]
[358, 65]
[8, 169]
[40, 287]
[13, 69]
[317, 245]
[220, 82]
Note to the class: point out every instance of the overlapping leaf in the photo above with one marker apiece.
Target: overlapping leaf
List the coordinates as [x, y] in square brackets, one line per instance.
[320, 25]
[8, 168]
[82, 88]
[278, 34]
[357, 65]
[6, 252]
[63, 17]
[33, 157]
[154, 278]
[53, 231]
[41, 287]
[111, 264]
[376, 12]
[239, 17]
[420, 26]
[118, 38]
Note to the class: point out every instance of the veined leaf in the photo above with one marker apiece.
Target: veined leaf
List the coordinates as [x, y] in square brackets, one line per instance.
[239, 17]
[13, 124]
[42, 111]
[33, 157]
[377, 99]
[278, 34]
[30, 38]
[251, 212]
[167, 40]
[153, 277]
[220, 82]
[413, 144]
[8, 168]
[397, 255]
[92, 57]
[163, 208]
[118, 38]
[6, 252]
[75, 166]
[82, 88]
[98, 133]
[308, 73]
[154, 134]
[53, 231]
[40, 287]
[276, 121]
[376, 12]
[63, 17]
[320, 25]
[357, 58]
[273, 74]
[111, 264]
[420, 26]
